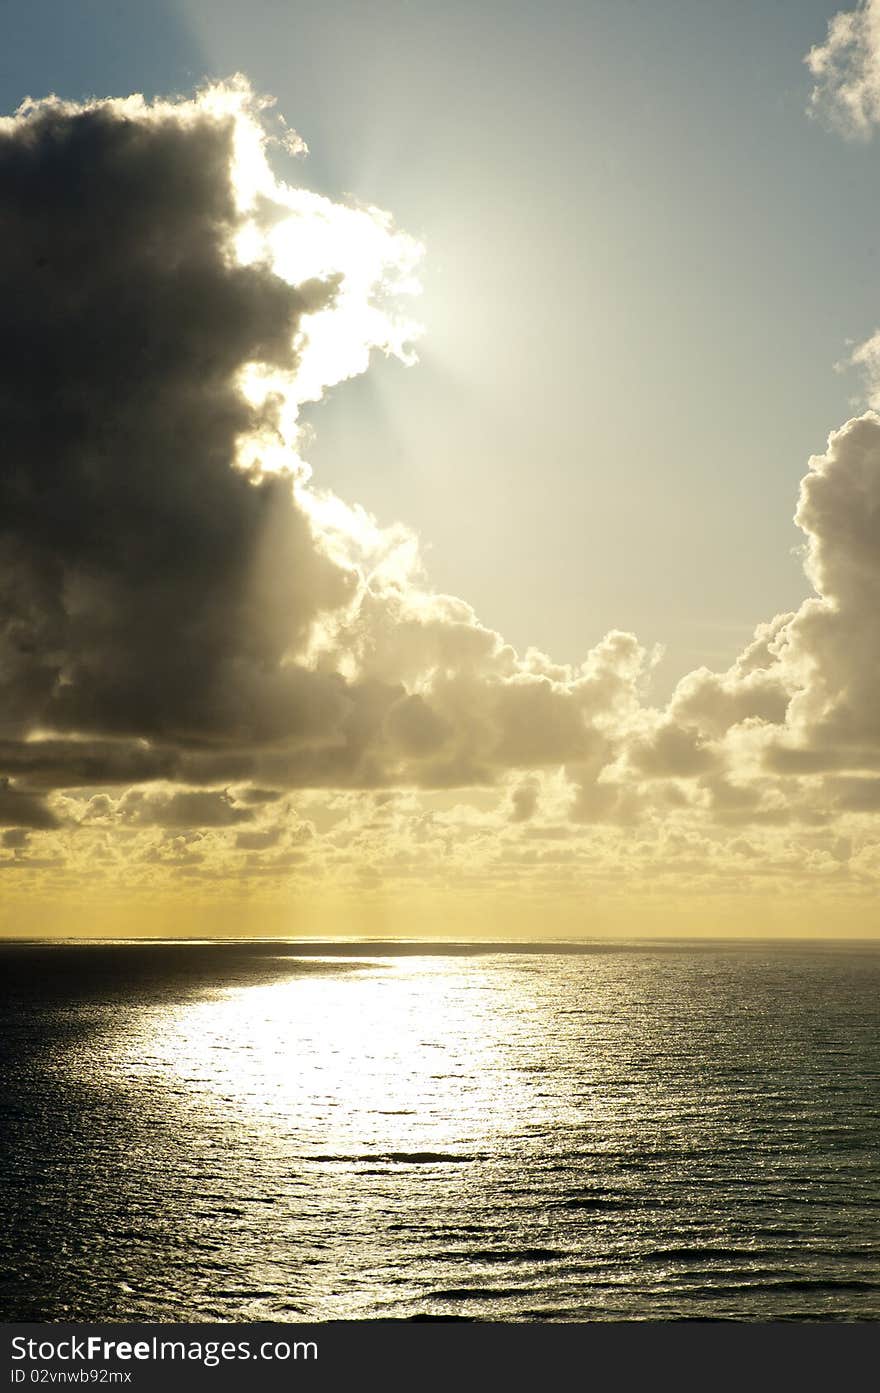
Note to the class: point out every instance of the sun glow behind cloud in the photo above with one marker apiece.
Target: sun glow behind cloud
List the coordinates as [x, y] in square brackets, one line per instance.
[244, 685]
[305, 238]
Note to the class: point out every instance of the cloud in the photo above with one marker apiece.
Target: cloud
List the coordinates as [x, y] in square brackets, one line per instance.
[16, 838]
[19, 808]
[57, 763]
[866, 357]
[176, 600]
[672, 752]
[139, 588]
[524, 800]
[847, 70]
[184, 808]
[833, 642]
[257, 841]
[194, 635]
[754, 687]
[803, 694]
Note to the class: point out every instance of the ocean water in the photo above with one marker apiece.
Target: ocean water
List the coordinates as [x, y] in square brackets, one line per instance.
[290, 1132]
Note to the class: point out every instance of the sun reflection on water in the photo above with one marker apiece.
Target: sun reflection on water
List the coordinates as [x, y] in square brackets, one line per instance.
[350, 1059]
[607, 1136]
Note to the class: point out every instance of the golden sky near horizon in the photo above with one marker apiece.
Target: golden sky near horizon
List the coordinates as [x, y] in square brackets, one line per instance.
[232, 701]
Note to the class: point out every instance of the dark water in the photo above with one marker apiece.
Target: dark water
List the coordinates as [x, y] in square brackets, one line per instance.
[265, 1131]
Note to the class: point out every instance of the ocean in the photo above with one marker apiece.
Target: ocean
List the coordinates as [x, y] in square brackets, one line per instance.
[311, 1131]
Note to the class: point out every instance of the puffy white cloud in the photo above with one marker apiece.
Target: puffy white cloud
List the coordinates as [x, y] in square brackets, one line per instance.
[866, 357]
[847, 70]
[803, 696]
[833, 642]
[754, 687]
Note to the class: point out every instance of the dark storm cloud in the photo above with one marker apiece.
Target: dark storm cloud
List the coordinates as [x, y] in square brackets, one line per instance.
[50, 764]
[18, 808]
[261, 795]
[147, 586]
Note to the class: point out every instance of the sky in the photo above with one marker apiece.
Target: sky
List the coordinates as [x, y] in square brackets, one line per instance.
[332, 607]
